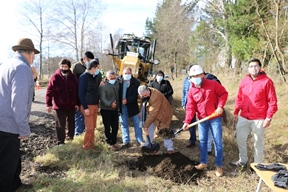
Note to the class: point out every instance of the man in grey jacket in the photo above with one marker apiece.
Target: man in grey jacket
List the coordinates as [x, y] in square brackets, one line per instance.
[16, 93]
[109, 97]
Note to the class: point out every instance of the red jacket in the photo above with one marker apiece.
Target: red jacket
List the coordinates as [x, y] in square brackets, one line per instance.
[256, 99]
[62, 92]
[205, 100]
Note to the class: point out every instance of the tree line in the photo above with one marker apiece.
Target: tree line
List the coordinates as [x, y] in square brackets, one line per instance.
[217, 34]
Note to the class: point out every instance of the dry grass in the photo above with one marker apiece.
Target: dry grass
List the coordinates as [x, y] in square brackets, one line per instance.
[104, 170]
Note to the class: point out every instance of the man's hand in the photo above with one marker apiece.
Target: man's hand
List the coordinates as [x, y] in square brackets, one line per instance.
[219, 111]
[124, 101]
[146, 130]
[87, 112]
[266, 123]
[102, 83]
[185, 126]
[49, 109]
[22, 138]
[113, 104]
[235, 118]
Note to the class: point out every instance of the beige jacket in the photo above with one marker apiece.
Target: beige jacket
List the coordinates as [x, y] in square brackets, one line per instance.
[159, 110]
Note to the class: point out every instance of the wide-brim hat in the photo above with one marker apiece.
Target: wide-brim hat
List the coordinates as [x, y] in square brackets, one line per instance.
[25, 44]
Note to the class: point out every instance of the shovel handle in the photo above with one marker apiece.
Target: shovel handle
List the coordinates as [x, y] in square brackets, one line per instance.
[197, 122]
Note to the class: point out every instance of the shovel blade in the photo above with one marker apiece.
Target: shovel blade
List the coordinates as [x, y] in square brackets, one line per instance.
[151, 148]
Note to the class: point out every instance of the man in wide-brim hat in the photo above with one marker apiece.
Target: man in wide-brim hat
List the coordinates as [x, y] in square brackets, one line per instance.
[16, 92]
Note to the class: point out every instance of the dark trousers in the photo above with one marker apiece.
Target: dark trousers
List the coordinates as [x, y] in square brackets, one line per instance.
[10, 162]
[61, 117]
[110, 121]
[192, 131]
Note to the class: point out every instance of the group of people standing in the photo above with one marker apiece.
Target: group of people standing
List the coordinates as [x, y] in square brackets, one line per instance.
[255, 105]
[75, 96]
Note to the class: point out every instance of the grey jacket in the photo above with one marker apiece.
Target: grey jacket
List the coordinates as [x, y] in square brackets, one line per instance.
[108, 94]
[16, 92]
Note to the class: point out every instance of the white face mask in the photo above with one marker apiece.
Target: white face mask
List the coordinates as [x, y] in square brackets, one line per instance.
[196, 80]
[126, 77]
[112, 81]
[159, 78]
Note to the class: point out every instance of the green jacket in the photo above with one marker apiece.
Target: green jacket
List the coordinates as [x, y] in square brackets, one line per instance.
[108, 94]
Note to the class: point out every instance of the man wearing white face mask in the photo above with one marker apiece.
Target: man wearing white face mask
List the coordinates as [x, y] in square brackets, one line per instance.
[88, 92]
[204, 98]
[163, 86]
[109, 97]
[78, 69]
[129, 107]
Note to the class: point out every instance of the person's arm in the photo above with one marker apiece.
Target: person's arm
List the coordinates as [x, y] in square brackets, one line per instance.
[271, 99]
[184, 93]
[169, 91]
[82, 86]
[22, 81]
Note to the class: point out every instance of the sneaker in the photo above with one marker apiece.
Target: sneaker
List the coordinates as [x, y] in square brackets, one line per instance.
[219, 171]
[238, 164]
[201, 166]
[125, 145]
[190, 145]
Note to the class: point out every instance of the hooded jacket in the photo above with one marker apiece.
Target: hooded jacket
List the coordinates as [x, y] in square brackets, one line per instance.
[62, 92]
[205, 100]
[256, 99]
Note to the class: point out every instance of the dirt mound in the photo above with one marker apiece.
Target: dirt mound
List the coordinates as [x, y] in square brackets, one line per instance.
[176, 167]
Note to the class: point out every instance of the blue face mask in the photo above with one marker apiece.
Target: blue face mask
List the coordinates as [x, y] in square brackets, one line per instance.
[112, 81]
[197, 80]
[159, 78]
[126, 77]
[97, 72]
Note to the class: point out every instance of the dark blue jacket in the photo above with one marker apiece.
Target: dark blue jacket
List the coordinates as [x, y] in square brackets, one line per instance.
[88, 90]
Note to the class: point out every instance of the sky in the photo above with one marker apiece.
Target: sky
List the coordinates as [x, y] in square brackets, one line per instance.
[127, 15]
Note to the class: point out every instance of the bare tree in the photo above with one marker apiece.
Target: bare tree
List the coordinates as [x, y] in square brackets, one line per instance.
[74, 23]
[34, 20]
[172, 30]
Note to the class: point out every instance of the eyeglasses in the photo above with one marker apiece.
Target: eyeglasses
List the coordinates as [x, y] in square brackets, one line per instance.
[254, 66]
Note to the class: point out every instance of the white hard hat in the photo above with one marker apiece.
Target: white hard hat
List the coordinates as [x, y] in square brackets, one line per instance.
[195, 70]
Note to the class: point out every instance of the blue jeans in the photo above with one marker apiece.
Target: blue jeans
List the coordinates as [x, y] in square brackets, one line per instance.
[209, 143]
[215, 125]
[79, 123]
[192, 131]
[124, 119]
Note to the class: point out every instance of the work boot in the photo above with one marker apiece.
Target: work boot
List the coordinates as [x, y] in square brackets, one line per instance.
[219, 171]
[201, 166]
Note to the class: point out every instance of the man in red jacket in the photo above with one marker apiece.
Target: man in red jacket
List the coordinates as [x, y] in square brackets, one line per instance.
[62, 95]
[256, 102]
[204, 98]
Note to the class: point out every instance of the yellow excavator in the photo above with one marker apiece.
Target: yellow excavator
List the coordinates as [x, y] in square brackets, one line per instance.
[135, 53]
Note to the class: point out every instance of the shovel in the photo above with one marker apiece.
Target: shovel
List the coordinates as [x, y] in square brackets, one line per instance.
[196, 123]
[151, 147]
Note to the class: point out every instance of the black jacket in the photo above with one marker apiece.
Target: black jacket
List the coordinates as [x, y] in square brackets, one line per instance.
[164, 87]
[131, 96]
